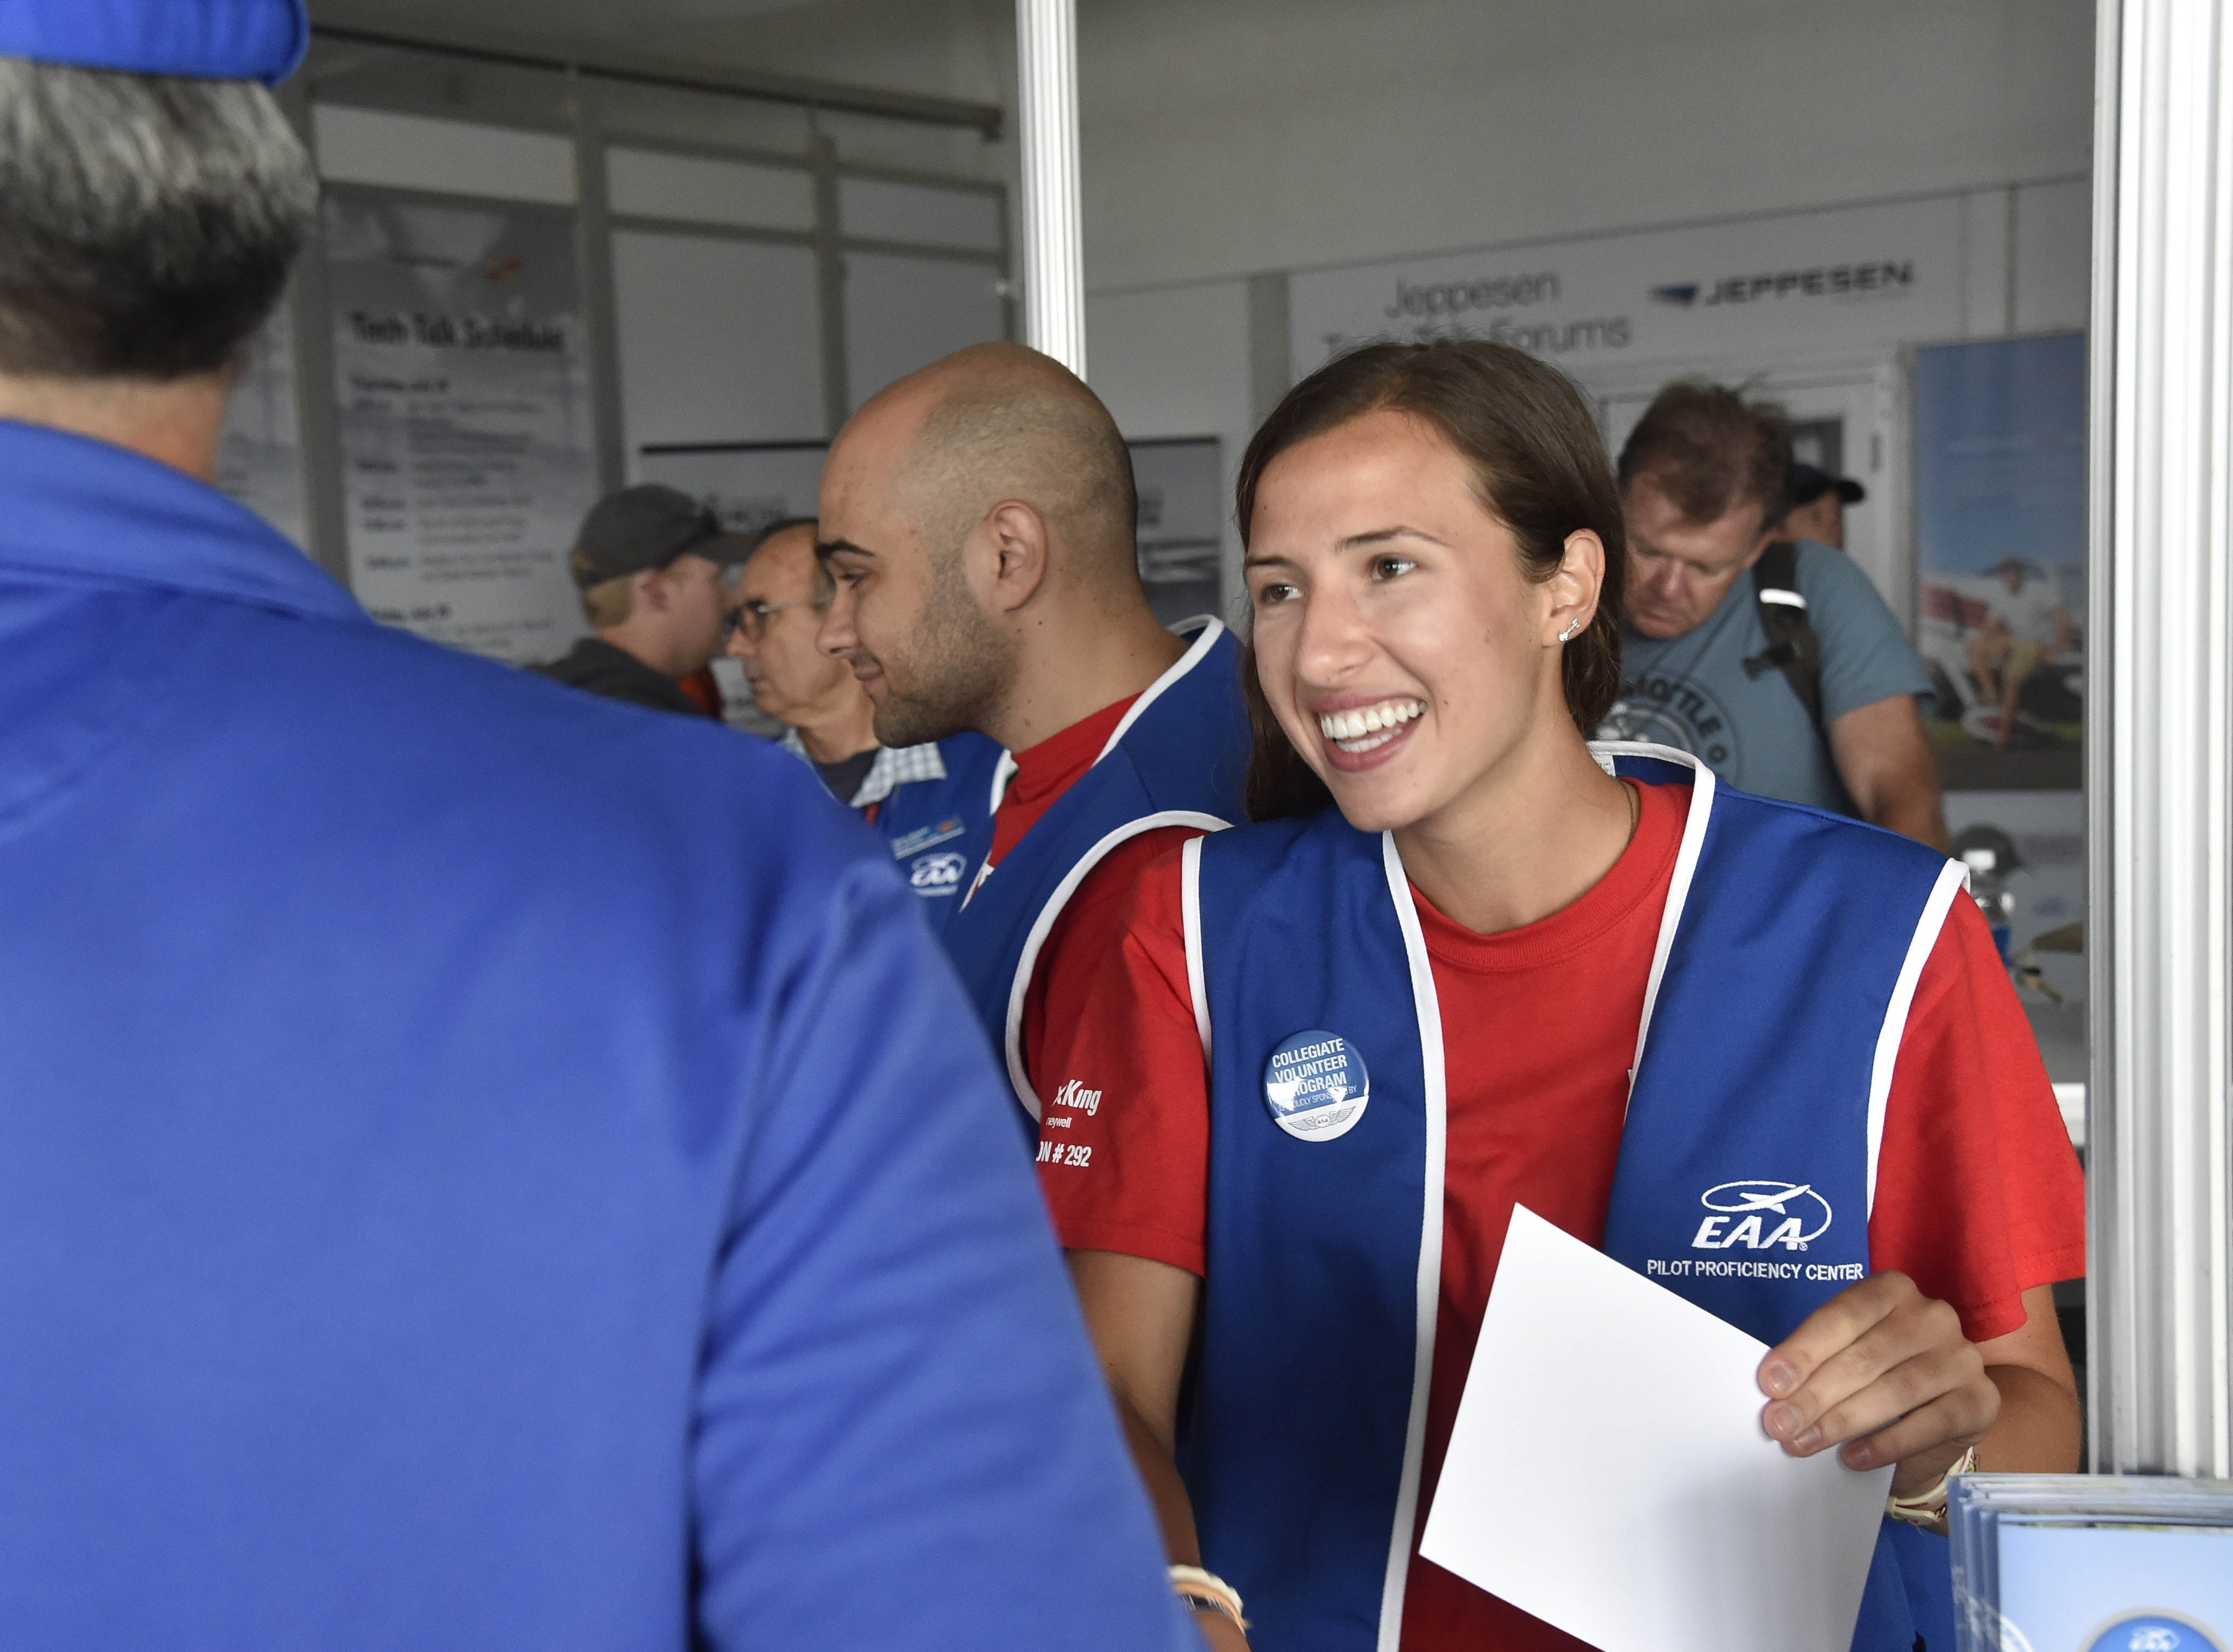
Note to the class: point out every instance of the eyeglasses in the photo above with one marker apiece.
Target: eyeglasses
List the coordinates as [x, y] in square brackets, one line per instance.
[751, 618]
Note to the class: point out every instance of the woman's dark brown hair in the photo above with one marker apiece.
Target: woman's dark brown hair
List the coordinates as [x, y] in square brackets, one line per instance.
[1539, 466]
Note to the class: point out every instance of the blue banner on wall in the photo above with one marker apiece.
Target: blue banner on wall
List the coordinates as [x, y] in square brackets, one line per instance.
[1999, 519]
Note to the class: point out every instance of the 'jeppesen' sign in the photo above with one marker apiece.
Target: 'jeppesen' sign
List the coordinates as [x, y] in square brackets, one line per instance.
[1857, 275]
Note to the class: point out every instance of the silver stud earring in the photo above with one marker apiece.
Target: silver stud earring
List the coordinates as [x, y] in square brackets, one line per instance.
[1573, 630]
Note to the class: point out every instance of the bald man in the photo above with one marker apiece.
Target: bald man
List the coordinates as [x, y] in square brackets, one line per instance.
[979, 520]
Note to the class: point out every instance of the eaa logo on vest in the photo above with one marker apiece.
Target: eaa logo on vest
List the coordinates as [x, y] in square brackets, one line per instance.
[1316, 1086]
[1760, 1215]
[937, 874]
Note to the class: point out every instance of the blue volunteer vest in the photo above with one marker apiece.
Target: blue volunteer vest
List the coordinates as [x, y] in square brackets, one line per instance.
[926, 822]
[1179, 758]
[1324, 1230]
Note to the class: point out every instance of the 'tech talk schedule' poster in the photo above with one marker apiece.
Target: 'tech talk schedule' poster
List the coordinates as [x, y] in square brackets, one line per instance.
[467, 453]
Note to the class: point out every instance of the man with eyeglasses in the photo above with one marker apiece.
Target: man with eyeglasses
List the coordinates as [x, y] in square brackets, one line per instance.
[924, 799]
[652, 567]
[1795, 682]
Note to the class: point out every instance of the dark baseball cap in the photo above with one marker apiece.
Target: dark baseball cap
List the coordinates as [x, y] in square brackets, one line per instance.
[1808, 484]
[647, 527]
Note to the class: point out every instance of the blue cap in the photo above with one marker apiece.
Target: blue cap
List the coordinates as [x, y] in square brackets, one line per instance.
[215, 40]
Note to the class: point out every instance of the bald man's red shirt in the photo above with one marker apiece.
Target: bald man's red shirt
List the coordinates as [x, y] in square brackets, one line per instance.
[1095, 911]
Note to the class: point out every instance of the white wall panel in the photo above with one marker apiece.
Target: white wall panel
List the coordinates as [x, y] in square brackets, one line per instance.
[903, 312]
[1265, 134]
[878, 209]
[1224, 141]
[2054, 284]
[1988, 272]
[718, 341]
[444, 157]
[1174, 361]
[646, 184]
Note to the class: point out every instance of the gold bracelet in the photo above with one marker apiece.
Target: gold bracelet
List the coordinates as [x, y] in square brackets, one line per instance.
[1928, 1506]
[1193, 1584]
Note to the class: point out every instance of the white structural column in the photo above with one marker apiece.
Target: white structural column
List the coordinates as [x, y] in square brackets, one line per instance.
[2160, 772]
[1054, 252]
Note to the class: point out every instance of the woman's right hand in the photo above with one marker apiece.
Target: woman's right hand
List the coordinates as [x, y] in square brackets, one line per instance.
[1222, 1633]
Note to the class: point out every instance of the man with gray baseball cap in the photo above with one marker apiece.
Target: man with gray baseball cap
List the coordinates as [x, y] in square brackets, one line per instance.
[652, 566]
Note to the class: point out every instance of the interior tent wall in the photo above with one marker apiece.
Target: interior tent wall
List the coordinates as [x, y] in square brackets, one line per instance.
[1261, 136]
[1220, 141]
[1226, 140]
[1174, 361]
[1224, 146]
[956, 48]
[751, 271]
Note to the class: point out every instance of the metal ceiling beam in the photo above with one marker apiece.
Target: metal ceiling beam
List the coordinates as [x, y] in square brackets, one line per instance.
[636, 69]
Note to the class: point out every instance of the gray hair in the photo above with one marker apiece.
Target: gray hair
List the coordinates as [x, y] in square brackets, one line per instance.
[146, 223]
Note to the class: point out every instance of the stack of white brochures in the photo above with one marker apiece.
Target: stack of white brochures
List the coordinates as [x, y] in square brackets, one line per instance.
[2081, 1563]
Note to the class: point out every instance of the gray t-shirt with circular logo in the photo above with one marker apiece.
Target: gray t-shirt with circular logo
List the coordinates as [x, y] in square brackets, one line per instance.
[1693, 692]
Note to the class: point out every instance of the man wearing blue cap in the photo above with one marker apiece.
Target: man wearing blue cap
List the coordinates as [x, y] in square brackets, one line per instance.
[446, 1200]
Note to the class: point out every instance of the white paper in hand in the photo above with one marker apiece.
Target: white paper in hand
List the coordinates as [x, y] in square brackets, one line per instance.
[1608, 1471]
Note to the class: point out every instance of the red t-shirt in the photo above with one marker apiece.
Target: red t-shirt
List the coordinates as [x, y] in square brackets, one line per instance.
[1979, 1196]
[1096, 908]
[703, 690]
[1044, 771]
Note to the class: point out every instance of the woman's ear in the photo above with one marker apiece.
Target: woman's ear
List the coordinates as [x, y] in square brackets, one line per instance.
[1573, 588]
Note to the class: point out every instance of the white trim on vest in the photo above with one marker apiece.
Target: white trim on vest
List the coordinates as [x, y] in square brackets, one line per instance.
[1043, 926]
[1211, 630]
[1003, 772]
[1190, 907]
[1436, 1084]
[1952, 879]
[1678, 887]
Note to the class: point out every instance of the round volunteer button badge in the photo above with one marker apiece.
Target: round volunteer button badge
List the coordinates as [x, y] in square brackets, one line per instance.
[1316, 1086]
[2153, 1632]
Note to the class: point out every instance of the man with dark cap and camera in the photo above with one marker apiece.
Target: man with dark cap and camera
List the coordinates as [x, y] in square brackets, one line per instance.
[1818, 505]
[653, 568]
[447, 1200]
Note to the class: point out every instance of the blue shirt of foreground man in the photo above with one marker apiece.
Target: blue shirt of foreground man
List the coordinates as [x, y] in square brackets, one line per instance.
[445, 1200]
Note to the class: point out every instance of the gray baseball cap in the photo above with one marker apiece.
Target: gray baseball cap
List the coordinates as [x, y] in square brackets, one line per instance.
[646, 527]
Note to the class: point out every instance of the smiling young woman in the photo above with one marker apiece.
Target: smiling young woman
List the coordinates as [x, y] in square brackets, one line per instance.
[1465, 960]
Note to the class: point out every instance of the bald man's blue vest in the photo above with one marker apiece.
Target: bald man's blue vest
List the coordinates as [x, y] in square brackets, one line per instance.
[1784, 968]
[1179, 758]
[929, 824]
